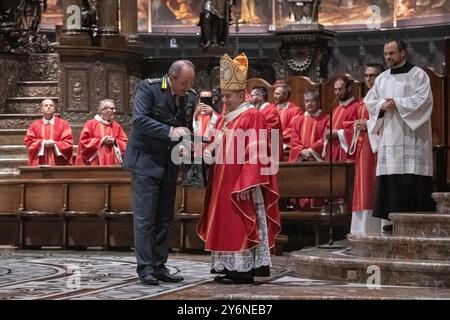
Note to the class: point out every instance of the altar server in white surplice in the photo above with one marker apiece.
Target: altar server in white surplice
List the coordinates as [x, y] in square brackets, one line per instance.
[400, 105]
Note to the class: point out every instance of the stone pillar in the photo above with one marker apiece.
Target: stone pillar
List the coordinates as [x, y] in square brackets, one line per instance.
[108, 19]
[72, 34]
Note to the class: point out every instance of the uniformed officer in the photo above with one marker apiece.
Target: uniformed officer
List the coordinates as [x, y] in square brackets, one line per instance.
[162, 110]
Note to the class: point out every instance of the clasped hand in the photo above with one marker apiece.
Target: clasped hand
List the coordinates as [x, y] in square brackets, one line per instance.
[389, 104]
[108, 140]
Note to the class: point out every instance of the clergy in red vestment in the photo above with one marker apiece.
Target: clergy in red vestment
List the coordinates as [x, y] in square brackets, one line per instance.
[287, 110]
[49, 140]
[365, 164]
[306, 138]
[102, 140]
[308, 130]
[343, 114]
[271, 116]
[241, 217]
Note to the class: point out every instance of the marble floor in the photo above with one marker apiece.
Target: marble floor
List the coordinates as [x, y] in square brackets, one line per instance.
[100, 275]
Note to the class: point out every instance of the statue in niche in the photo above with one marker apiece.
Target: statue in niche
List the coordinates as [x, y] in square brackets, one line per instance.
[28, 14]
[305, 11]
[214, 21]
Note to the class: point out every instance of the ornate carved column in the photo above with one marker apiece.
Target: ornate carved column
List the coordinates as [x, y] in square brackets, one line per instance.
[108, 19]
[305, 52]
[72, 34]
[108, 24]
[129, 24]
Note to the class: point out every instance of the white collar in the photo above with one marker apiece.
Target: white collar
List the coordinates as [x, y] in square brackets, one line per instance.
[51, 121]
[99, 119]
[346, 102]
[283, 105]
[263, 105]
[318, 112]
[234, 114]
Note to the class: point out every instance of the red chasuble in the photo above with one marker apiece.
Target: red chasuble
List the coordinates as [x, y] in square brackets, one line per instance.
[365, 165]
[59, 132]
[307, 132]
[342, 117]
[287, 115]
[227, 224]
[92, 150]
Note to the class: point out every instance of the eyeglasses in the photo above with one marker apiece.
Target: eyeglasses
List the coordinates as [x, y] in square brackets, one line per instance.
[371, 75]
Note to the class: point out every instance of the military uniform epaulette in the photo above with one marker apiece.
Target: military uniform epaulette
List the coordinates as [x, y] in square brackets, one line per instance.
[154, 80]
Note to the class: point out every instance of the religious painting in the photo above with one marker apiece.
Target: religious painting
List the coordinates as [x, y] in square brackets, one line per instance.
[265, 15]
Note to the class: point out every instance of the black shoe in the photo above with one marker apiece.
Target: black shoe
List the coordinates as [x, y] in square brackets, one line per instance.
[233, 280]
[388, 228]
[149, 280]
[167, 277]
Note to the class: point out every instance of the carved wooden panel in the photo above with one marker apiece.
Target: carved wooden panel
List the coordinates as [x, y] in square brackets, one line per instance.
[44, 197]
[78, 85]
[120, 197]
[9, 198]
[87, 197]
[117, 89]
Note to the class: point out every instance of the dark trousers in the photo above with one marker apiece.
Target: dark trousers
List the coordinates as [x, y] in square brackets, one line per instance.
[402, 193]
[153, 207]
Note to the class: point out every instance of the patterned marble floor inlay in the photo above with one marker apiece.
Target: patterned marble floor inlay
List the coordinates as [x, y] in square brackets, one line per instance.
[86, 276]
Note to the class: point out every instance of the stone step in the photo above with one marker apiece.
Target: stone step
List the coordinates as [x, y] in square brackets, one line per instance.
[25, 105]
[395, 247]
[339, 265]
[17, 121]
[9, 166]
[442, 202]
[37, 89]
[421, 224]
[12, 136]
[13, 151]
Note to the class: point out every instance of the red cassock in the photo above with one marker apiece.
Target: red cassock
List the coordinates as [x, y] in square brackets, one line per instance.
[287, 115]
[91, 150]
[228, 224]
[365, 166]
[273, 122]
[342, 118]
[59, 132]
[307, 132]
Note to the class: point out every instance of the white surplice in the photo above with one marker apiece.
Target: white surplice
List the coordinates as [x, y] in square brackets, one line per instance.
[405, 140]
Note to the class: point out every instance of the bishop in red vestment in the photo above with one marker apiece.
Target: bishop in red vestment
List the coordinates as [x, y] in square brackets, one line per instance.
[49, 140]
[102, 140]
[241, 217]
